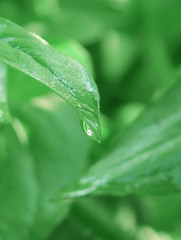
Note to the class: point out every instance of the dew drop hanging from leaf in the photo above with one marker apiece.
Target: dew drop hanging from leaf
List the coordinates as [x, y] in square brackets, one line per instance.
[90, 131]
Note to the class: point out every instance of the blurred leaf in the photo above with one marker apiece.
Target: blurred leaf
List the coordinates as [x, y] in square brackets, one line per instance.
[161, 17]
[32, 55]
[152, 75]
[76, 233]
[162, 212]
[19, 11]
[124, 118]
[59, 149]
[4, 111]
[76, 51]
[86, 21]
[90, 219]
[17, 187]
[147, 160]
[117, 52]
[91, 214]
[128, 113]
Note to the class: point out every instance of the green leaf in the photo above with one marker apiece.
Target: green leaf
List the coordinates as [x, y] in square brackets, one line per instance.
[155, 66]
[59, 149]
[17, 187]
[117, 53]
[4, 110]
[21, 87]
[147, 159]
[32, 55]
[77, 15]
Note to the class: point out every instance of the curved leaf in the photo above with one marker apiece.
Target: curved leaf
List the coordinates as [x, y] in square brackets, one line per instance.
[59, 158]
[22, 88]
[18, 191]
[32, 55]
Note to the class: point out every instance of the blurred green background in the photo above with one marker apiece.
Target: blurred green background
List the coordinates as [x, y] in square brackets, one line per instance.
[133, 50]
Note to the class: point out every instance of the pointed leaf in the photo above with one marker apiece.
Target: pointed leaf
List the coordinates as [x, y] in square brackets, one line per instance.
[32, 55]
[17, 187]
[59, 150]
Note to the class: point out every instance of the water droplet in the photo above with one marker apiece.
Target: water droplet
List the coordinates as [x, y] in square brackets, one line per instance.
[87, 129]
[89, 132]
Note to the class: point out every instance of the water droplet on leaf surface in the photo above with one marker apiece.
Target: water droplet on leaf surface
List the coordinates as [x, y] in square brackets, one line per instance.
[89, 130]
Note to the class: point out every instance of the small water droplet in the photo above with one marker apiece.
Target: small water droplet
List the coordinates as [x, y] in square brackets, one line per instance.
[87, 129]
[89, 132]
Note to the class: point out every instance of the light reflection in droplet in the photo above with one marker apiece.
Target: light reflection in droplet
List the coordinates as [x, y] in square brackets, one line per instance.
[89, 132]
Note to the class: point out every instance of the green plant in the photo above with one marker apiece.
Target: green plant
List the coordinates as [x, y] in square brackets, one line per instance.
[55, 182]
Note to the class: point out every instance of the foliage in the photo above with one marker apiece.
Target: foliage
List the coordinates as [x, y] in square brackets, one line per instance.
[55, 182]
